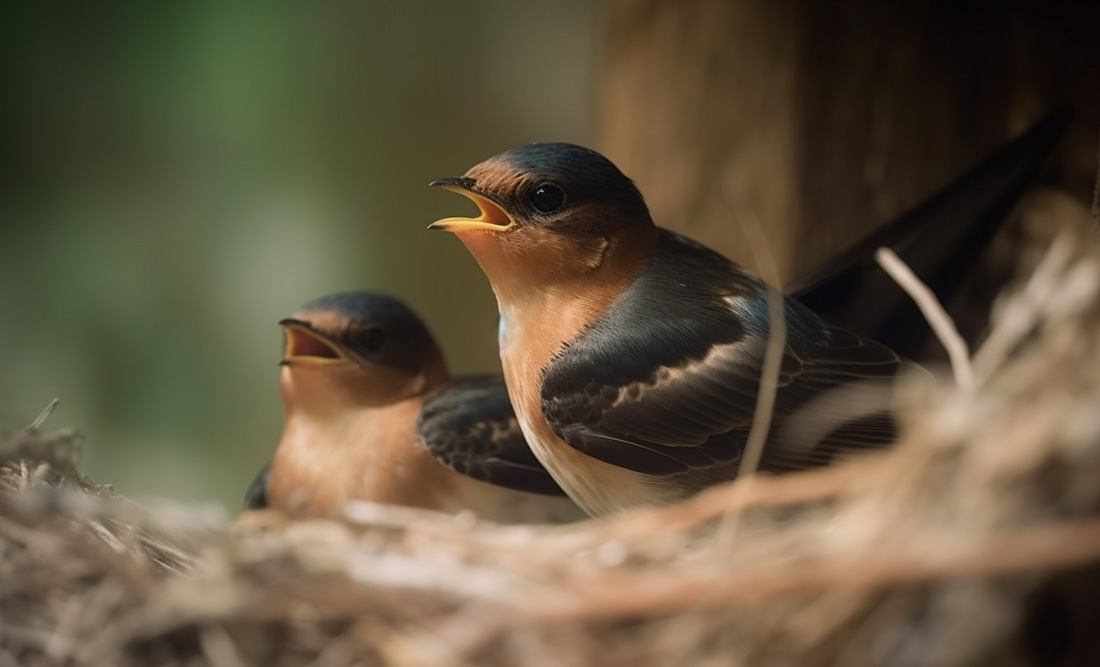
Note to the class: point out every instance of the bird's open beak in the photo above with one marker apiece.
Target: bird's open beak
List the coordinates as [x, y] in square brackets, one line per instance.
[306, 346]
[492, 219]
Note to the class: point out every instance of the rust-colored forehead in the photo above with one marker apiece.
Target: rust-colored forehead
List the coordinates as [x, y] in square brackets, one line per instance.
[361, 305]
[499, 175]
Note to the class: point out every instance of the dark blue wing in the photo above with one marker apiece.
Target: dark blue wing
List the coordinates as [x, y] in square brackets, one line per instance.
[471, 428]
[666, 382]
[255, 498]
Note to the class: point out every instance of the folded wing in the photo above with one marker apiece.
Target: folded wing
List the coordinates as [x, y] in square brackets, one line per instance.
[471, 428]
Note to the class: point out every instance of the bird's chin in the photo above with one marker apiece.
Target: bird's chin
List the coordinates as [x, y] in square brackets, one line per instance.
[313, 390]
[502, 261]
[531, 262]
[480, 242]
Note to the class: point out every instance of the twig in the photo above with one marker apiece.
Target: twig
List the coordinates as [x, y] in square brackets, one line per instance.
[933, 311]
[1017, 319]
[769, 374]
[773, 354]
[42, 416]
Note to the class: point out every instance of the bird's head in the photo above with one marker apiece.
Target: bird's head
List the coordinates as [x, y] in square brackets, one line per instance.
[357, 349]
[548, 214]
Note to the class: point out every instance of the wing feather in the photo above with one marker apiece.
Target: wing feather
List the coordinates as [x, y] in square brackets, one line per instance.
[471, 428]
[666, 382]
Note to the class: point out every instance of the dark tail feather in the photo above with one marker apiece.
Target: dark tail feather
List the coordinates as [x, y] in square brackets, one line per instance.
[938, 240]
[255, 498]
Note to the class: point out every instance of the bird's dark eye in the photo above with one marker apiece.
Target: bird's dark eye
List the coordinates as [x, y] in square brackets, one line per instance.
[372, 339]
[547, 198]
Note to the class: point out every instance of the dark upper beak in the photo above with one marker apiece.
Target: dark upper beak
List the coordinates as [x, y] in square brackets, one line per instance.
[452, 182]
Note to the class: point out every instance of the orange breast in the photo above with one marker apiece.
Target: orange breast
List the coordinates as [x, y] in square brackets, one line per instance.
[536, 332]
[368, 454]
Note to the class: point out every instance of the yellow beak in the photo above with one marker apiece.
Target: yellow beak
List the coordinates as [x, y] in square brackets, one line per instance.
[492, 219]
[306, 346]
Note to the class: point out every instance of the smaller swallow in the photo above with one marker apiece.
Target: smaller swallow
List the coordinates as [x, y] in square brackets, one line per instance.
[372, 413]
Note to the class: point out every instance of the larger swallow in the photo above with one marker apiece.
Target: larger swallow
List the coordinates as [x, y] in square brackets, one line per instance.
[372, 413]
[633, 354]
[567, 241]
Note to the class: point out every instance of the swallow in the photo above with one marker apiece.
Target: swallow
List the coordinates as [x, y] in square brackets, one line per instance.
[371, 412]
[669, 394]
[633, 354]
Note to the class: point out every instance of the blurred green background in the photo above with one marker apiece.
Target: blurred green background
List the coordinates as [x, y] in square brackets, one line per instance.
[177, 177]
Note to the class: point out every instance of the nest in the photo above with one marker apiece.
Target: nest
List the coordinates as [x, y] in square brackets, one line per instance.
[975, 540]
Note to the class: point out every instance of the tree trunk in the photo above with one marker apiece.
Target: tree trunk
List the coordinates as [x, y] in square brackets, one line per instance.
[819, 121]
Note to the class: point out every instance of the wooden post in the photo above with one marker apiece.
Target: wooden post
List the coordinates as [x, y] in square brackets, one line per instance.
[825, 119]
